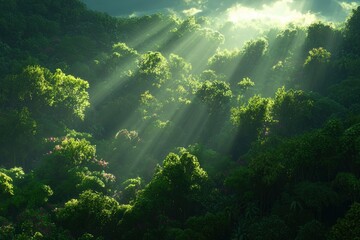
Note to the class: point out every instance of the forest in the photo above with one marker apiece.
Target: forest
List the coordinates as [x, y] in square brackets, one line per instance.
[176, 128]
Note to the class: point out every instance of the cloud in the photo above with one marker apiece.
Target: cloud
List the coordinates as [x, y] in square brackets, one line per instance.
[349, 6]
[195, 2]
[191, 11]
[329, 9]
[278, 13]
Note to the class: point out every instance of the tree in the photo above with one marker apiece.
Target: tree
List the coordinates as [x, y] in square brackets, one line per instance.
[216, 95]
[174, 193]
[245, 85]
[188, 26]
[92, 213]
[316, 70]
[322, 35]
[311, 230]
[293, 110]
[179, 68]
[316, 196]
[29, 193]
[44, 92]
[272, 228]
[253, 51]
[351, 45]
[121, 60]
[131, 187]
[154, 68]
[18, 136]
[224, 62]
[252, 121]
[209, 226]
[6, 185]
[26, 192]
[348, 226]
[250, 58]
[317, 55]
[348, 185]
[286, 43]
[346, 92]
[352, 33]
[71, 167]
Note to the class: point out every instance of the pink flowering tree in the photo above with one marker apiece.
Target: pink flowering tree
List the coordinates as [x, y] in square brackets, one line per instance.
[72, 166]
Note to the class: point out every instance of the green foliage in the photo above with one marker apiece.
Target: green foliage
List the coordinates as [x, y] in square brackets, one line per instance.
[14, 173]
[154, 68]
[18, 130]
[122, 59]
[283, 163]
[209, 226]
[348, 185]
[37, 224]
[271, 227]
[317, 56]
[346, 92]
[131, 187]
[287, 43]
[315, 195]
[72, 167]
[179, 68]
[269, 170]
[255, 113]
[173, 193]
[92, 213]
[31, 193]
[39, 90]
[352, 32]
[348, 226]
[251, 121]
[311, 230]
[182, 172]
[216, 95]
[239, 182]
[74, 151]
[322, 35]
[245, 84]
[187, 26]
[254, 50]
[222, 62]
[122, 50]
[6, 185]
[317, 71]
[70, 94]
[292, 110]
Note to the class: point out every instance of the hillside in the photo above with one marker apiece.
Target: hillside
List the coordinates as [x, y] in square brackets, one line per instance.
[168, 127]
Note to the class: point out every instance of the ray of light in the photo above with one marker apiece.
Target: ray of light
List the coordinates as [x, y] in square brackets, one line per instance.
[198, 120]
[117, 79]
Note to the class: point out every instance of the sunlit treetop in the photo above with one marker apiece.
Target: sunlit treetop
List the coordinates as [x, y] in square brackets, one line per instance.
[319, 55]
[38, 89]
[154, 67]
[246, 83]
[122, 50]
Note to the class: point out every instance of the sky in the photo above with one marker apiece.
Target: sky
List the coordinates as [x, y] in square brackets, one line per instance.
[279, 11]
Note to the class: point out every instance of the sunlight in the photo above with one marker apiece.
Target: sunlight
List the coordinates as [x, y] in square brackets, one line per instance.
[191, 11]
[115, 81]
[349, 6]
[278, 14]
[148, 33]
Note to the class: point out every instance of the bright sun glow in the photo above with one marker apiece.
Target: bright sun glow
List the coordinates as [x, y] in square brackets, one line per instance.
[279, 13]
